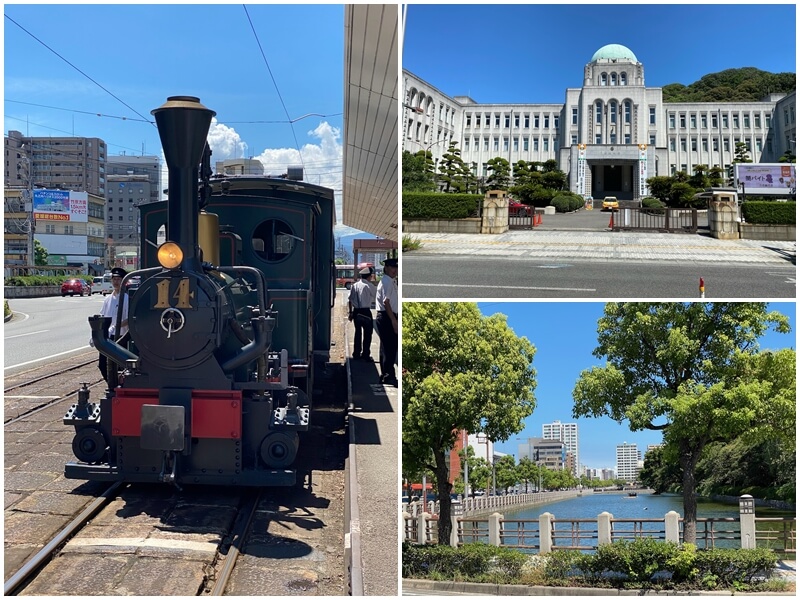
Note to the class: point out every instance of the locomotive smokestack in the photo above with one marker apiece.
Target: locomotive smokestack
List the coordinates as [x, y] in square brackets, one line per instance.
[183, 125]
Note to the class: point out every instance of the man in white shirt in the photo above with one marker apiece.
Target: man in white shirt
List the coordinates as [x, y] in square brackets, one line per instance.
[110, 306]
[362, 294]
[387, 302]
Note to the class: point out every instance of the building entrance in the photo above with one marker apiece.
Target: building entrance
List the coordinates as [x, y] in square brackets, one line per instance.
[613, 180]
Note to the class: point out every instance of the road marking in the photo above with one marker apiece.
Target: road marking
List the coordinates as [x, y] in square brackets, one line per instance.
[33, 397]
[30, 362]
[24, 334]
[501, 287]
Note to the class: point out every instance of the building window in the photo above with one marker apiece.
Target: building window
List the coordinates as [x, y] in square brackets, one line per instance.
[508, 121]
[724, 121]
[703, 121]
[757, 119]
[525, 144]
[485, 169]
[627, 138]
[748, 145]
[547, 121]
[516, 121]
[535, 144]
[555, 122]
[574, 116]
[516, 144]
[672, 120]
[497, 143]
[683, 168]
[623, 79]
[715, 144]
[683, 144]
[466, 144]
[598, 139]
[652, 139]
[505, 144]
[652, 115]
[536, 122]
[736, 121]
[613, 107]
[574, 139]
[672, 169]
[497, 120]
[486, 144]
[746, 121]
[758, 145]
[694, 145]
[785, 116]
[527, 121]
[598, 112]
[693, 121]
[613, 79]
[546, 144]
[603, 79]
[726, 145]
[627, 111]
[469, 121]
[714, 121]
[683, 121]
[767, 121]
[705, 144]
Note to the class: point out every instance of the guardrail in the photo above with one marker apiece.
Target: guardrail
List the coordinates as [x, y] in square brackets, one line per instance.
[548, 533]
[671, 220]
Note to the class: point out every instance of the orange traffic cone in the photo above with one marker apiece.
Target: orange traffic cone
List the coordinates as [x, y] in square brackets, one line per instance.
[611, 221]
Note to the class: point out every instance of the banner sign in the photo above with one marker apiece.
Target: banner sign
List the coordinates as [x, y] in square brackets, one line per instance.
[582, 170]
[60, 205]
[643, 191]
[768, 179]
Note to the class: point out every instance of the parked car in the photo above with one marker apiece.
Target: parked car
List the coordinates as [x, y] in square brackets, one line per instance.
[133, 283]
[75, 286]
[102, 285]
[610, 203]
[517, 209]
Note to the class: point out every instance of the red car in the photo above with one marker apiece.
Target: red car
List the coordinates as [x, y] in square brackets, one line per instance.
[517, 209]
[75, 286]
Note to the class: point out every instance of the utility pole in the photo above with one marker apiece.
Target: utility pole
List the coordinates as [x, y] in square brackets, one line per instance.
[31, 229]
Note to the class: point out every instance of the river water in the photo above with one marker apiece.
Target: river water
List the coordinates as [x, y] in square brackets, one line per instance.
[643, 506]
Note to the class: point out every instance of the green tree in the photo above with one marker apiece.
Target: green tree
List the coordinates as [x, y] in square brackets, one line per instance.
[715, 176]
[499, 174]
[700, 178]
[692, 371]
[505, 472]
[741, 155]
[40, 254]
[417, 172]
[461, 371]
[451, 169]
[660, 187]
[661, 471]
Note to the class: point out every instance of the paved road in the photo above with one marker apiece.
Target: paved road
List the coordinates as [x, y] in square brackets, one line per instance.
[576, 256]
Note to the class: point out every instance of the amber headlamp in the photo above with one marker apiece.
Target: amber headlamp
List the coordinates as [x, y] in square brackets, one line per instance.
[170, 255]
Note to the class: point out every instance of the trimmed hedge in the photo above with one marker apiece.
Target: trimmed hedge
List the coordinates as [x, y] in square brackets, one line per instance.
[34, 280]
[769, 213]
[567, 202]
[426, 205]
[470, 561]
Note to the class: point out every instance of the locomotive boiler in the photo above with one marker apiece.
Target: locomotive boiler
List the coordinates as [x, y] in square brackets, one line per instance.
[228, 328]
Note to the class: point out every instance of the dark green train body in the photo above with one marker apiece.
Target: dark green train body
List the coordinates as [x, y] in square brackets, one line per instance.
[228, 327]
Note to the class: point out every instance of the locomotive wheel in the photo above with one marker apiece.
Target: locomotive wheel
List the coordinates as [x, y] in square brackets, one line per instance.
[279, 449]
[89, 445]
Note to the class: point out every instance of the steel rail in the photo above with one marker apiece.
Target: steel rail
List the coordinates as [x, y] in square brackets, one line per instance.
[19, 579]
[48, 375]
[239, 537]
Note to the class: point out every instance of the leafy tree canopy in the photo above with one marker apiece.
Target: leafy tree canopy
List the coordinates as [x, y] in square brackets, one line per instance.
[747, 84]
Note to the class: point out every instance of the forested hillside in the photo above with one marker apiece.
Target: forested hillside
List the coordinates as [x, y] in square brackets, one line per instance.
[732, 85]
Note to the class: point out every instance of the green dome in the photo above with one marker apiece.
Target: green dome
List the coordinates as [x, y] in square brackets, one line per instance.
[614, 51]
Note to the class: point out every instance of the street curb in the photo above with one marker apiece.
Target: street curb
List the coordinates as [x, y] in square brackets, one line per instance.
[352, 536]
[491, 589]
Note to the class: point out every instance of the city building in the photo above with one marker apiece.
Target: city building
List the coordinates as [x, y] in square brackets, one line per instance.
[239, 166]
[567, 433]
[481, 446]
[611, 133]
[628, 461]
[550, 453]
[69, 168]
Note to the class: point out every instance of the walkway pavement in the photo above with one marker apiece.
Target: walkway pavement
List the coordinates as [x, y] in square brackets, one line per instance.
[372, 475]
[608, 246]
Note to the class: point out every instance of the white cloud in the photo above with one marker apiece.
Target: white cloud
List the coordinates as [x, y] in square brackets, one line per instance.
[322, 160]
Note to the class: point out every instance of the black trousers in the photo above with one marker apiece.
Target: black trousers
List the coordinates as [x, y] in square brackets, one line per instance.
[362, 320]
[389, 339]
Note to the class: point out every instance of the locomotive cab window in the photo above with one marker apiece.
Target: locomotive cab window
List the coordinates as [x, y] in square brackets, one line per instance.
[274, 240]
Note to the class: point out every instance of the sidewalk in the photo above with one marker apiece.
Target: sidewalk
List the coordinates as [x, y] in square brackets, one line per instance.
[372, 475]
[608, 246]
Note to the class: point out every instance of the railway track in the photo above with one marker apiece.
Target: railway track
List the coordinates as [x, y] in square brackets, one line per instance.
[220, 541]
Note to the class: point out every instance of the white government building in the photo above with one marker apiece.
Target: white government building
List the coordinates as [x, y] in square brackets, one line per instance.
[610, 135]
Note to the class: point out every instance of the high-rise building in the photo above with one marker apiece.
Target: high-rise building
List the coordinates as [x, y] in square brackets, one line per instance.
[628, 461]
[567, 433]
[550, 453]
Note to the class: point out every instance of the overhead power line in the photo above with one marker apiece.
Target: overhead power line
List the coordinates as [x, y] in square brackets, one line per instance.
[266, 62]
[79, 71]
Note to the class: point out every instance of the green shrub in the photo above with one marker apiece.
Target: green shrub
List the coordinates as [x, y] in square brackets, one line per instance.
[475, 562]
[639, 560]
[411, 243]
[654, 206]
[562, 564]
[34, 280]
[769, 213]
[729, 565]
[567, 202]
[425, 205]
[682, 563]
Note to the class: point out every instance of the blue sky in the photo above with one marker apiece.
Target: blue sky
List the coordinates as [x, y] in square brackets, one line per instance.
[145, 53]
[565, 334]
[532, 53]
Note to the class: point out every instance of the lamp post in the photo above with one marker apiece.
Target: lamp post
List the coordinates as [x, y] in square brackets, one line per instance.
[28, 194]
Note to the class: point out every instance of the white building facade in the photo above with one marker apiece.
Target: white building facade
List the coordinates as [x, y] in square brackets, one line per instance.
[628, 461]
[609, 136]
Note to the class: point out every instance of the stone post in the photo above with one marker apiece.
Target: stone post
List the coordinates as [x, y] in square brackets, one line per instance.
[672, 529]
[422, 529]
[747, 520]
[604, 528]
[494, 529]
[545, 533]
[495, 212]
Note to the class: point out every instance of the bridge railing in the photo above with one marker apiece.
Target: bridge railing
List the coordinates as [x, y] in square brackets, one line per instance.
[549, 533]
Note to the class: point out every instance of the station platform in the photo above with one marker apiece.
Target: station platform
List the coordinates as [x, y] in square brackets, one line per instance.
[372, 474]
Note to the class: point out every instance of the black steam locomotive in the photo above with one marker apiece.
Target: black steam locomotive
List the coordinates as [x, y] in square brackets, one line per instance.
[228, 327]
